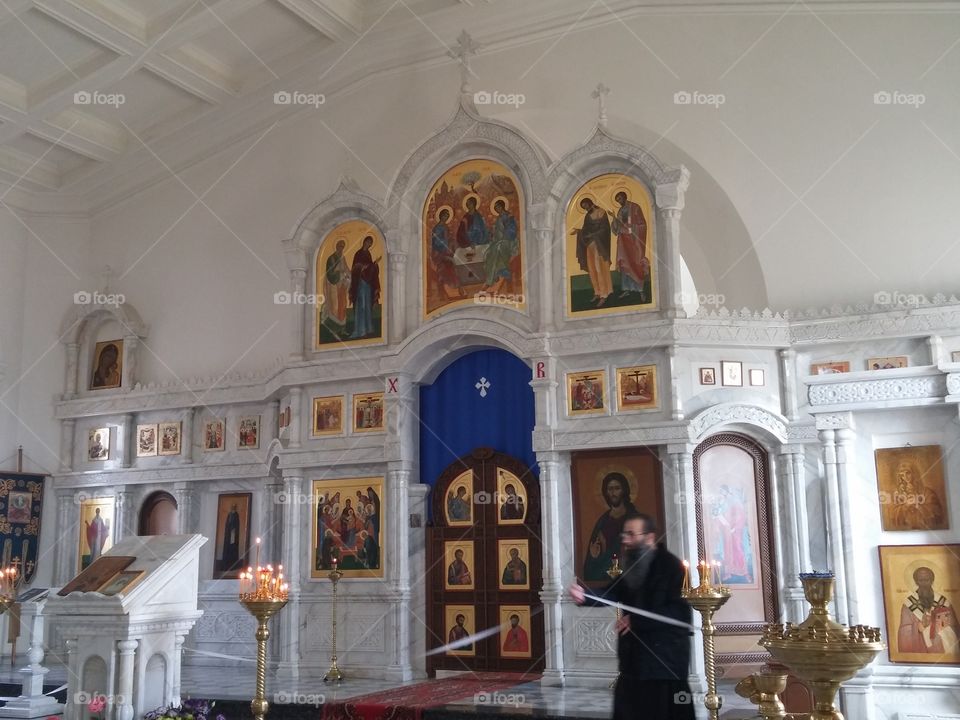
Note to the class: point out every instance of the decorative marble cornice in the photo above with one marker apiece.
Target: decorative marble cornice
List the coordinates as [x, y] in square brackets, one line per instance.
[721, 328]
[734, 413]
[160, 475]
[354, 460]
[881, 388]
[570, 439]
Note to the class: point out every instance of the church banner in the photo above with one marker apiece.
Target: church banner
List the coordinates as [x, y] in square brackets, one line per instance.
[21, 505]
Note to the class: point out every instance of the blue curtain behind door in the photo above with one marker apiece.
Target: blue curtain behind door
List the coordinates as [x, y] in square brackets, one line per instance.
[455, 417]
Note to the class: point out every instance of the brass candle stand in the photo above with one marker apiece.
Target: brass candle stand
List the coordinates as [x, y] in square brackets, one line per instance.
[263, 595]
[706, 599]
[821, 652]
[613, 573]
[334, 674]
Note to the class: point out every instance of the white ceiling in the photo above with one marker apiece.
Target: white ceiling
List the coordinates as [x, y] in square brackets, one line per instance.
[180, 78]
[148, 68]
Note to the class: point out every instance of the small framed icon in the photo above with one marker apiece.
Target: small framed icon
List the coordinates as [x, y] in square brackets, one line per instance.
[146, 440]
[708, 376]
[731, 373]
[169, 438]
[757, 377]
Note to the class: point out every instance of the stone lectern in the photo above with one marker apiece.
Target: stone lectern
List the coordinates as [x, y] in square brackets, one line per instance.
[124, 620]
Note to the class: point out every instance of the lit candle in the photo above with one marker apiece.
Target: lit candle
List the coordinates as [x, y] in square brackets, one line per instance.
[258, 554]
[686, 576]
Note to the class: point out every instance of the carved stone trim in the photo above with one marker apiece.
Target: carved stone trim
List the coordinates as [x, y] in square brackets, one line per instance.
[77, 317]
[834, 421]
[418, 353]
[347, 202]
[767, 561]
[894, 387]
[726, 414]
[603, 144]
[594, 637]
[618, 437]
[464, 130]
[160, 475]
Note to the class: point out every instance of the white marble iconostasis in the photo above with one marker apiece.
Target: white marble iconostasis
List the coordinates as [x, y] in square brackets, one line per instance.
[817, 432]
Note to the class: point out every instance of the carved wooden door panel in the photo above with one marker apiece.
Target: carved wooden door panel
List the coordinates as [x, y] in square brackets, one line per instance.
[484, 566]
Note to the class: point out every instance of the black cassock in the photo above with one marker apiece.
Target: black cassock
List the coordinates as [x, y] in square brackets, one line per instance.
[654, 657]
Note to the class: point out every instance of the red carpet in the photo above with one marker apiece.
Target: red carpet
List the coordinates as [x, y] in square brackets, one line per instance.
[408, 702]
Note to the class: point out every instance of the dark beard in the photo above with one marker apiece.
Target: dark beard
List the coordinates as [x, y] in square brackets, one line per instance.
[926, 597]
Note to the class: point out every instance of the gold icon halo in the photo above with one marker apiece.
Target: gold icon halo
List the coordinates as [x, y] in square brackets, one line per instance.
[475, 196]
[934, 567]
[616, 191]
[585, 196]
[506, 203]
[441, 209]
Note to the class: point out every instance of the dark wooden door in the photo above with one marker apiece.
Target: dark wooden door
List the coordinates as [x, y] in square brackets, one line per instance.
[485, 565]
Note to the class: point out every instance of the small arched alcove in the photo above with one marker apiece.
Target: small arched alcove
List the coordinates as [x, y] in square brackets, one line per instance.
[158, 515]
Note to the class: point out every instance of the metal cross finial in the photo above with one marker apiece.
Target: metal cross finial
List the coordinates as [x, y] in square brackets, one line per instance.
[461, 52]
[600, 94]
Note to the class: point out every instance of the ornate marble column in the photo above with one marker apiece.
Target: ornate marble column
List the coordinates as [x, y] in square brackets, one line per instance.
[131, 347]
[177, 662]
[845, 437]
[296, 258]
[827, 426]
[67, 518]
[70, 381]
[681, 501]
[545, 306]
[398, 282]
[124, 703]
[935, 346]
[670, 200]
[186, 436]
[187, 500]
[67, 429]
[72, 709]
[788, 383]
[296, 412]
[294, 518]
[557, 555]
[398, 489]
[402, 448]
[791, 520]
[125, 518]
[127, 430]
[676, 402]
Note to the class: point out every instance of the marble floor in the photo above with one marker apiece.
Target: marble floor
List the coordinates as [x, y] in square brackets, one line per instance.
[527, 699]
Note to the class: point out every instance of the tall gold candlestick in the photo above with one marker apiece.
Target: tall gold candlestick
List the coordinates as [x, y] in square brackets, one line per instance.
[613, 573]
[706, 599]
[264, 601]
[334, 674]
